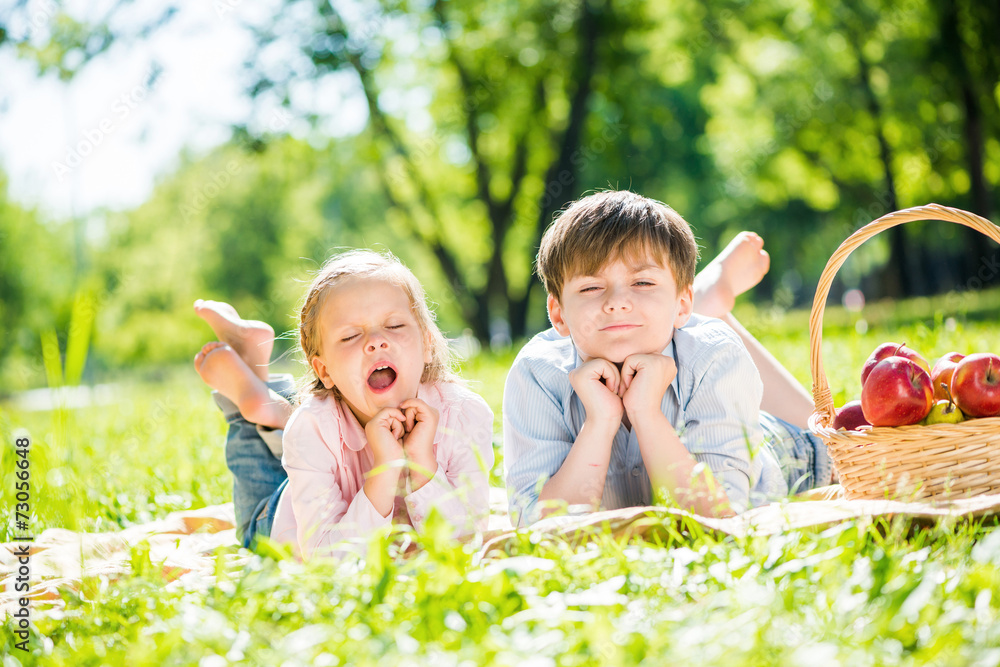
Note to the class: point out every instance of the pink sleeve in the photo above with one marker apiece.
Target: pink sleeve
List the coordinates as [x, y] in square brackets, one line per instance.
[325, 516]
[460, 487]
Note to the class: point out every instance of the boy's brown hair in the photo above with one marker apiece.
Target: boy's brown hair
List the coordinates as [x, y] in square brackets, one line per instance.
[610, 226]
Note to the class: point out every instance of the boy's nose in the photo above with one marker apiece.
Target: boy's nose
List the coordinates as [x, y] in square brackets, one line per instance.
[616, 300]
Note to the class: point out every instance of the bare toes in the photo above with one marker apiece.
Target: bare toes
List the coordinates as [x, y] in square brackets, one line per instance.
[211, 345]
[206, 350]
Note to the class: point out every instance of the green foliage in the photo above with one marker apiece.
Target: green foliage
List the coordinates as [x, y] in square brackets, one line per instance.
[140, 452]
[81, 323]
[859, 593]
[37, 283]
[249, 224]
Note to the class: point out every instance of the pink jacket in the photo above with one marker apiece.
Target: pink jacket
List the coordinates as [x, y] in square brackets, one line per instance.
[326, 456]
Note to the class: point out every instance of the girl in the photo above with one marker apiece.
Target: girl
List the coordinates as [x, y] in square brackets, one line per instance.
[384, 433]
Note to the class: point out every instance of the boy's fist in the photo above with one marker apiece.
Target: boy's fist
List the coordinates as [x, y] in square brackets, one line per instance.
[599, 386]
[646, 378]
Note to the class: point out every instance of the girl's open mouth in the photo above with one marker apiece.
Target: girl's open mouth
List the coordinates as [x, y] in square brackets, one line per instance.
[382, 378]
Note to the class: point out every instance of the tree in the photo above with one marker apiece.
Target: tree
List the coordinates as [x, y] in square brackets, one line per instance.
[510, 92]
[975, 69]
[247, 224]
[800, 120]
[851, 107]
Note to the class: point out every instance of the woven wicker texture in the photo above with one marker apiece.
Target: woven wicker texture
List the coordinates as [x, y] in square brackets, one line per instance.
[905, 462]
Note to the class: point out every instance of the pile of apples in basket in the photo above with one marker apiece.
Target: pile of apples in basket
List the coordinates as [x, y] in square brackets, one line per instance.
[899, 388]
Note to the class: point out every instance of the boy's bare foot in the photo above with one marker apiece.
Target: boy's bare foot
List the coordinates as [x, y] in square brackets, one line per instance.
[736, 269]
[222, 369]
[252, 339]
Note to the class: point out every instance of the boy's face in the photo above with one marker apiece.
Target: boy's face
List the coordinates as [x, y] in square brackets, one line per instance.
[625, 309]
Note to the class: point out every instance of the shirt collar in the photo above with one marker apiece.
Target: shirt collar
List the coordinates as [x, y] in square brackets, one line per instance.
[352, 433]
[671, 351]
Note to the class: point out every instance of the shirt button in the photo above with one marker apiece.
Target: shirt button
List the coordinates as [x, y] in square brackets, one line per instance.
[635, 471]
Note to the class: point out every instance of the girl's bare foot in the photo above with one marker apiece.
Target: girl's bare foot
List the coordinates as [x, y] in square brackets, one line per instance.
[736, 269]
[222, 369]
[252, 339]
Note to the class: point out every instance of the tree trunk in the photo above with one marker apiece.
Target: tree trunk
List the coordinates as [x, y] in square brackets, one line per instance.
[977, 247]
[893, 283]
[561, 185]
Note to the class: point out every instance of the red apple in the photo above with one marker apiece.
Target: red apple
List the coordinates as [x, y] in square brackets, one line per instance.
[886, 350]
[850, 417]
[897, 392]
[941, 374]
[975, 385]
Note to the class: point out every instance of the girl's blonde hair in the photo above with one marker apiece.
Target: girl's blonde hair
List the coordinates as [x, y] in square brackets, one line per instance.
[380, 266]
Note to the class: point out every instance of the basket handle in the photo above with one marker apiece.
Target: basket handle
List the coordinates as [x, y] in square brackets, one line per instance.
[822, 397]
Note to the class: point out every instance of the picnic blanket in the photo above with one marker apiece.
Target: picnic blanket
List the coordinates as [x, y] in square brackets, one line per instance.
[185, 545]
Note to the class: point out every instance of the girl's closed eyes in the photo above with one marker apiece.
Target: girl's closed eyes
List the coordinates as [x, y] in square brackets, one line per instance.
[393, 327]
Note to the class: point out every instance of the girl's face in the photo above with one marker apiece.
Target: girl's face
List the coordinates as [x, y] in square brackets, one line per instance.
[371, 347]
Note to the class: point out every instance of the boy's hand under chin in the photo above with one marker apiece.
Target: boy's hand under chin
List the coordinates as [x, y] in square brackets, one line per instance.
[645, 378]
[420, 424]
[599, 385]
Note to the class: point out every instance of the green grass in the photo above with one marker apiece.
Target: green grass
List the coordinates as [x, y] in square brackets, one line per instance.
[861, 593]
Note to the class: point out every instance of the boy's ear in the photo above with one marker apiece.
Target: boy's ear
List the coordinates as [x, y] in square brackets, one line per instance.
[556, 315]
[319, 368]
[685, 303]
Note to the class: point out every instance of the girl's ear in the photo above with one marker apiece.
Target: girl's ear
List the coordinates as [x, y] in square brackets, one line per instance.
[428, 354]
[319, 368]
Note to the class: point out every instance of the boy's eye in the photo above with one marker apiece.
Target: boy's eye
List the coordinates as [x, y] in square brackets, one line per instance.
[591, 288]
[643, 282]
[349, 338]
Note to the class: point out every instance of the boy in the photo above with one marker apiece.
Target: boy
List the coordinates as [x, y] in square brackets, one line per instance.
[632, 392]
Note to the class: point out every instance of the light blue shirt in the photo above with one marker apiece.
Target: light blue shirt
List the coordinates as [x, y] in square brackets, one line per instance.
[713, 403]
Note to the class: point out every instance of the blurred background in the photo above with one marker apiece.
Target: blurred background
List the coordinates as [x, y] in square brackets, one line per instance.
[153, 153]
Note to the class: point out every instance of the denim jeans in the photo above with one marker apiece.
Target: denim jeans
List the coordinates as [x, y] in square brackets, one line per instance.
[802, 455]
[253, 455]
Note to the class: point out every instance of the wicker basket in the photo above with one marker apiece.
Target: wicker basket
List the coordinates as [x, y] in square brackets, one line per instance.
[905, 462]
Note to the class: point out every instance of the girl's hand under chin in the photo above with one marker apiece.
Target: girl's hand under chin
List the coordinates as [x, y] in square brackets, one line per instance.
[385, 432]
[420, 423]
